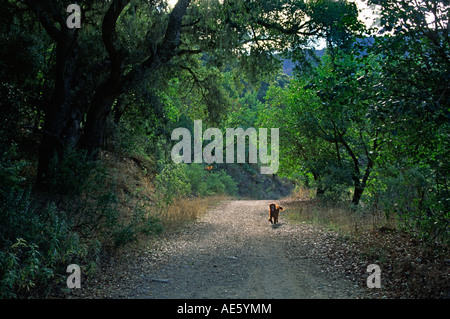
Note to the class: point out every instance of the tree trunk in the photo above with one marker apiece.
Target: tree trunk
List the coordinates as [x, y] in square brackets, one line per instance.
[357, 195]
[97, 116]
[361, 185]
[109, 90]
[62, 116]
[319, 191]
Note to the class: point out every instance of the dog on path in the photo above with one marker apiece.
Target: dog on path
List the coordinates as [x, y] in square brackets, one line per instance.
[274, 211]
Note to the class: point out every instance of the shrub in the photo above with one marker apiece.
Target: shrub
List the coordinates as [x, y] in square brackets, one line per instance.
[172, 182]
[182, 180]
[204, 183]
[214, 185]
[70, 176]
[230, 186]
[335, 182]
[408, 194]
[36, 243]
[139, 223]
[39, 238]
[197, 175]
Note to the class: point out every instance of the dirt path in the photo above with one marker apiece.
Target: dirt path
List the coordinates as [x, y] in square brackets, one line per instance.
[230, 252]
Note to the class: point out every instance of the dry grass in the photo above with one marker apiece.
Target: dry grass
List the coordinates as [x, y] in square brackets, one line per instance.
[334, 217]
[303, 207]
[185, 210]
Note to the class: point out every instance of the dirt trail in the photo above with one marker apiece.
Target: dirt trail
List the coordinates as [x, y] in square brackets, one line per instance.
[232, 252]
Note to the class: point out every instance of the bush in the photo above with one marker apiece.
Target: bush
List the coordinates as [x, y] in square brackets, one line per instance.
[73, 173]
[197, 176]
[35, 265]
[335, 182]
[36, 243]
[230, 186]
[171, 183]
[139, 223]
[214, 184]
[39, 238]
[219, 183]
[205, 183]
[408, 194]
[182, 180]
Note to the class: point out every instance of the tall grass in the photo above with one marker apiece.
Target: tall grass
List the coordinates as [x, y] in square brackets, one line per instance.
[337, 216]
[184, 210]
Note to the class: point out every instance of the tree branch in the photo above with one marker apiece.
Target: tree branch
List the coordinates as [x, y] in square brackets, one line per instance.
[166, 50]
[188, 52]
[294, 30]
[109, 36]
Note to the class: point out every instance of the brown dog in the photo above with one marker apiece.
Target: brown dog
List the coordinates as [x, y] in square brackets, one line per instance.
[274, 211]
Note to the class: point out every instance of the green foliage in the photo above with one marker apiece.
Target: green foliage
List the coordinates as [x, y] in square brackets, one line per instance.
[10, 171]
[141, 223]
[407, 193]
[325, 130]
[197, 175]
[36, 243]
[97, 210]
[335, 182]
[414, 105]
[229, 184]
[182, 180]
[172, 183]
[70, 175]
[244, 112]
[219, 183]
[39, 239]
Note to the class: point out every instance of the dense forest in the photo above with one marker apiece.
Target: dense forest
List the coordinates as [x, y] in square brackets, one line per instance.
[90, 99]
